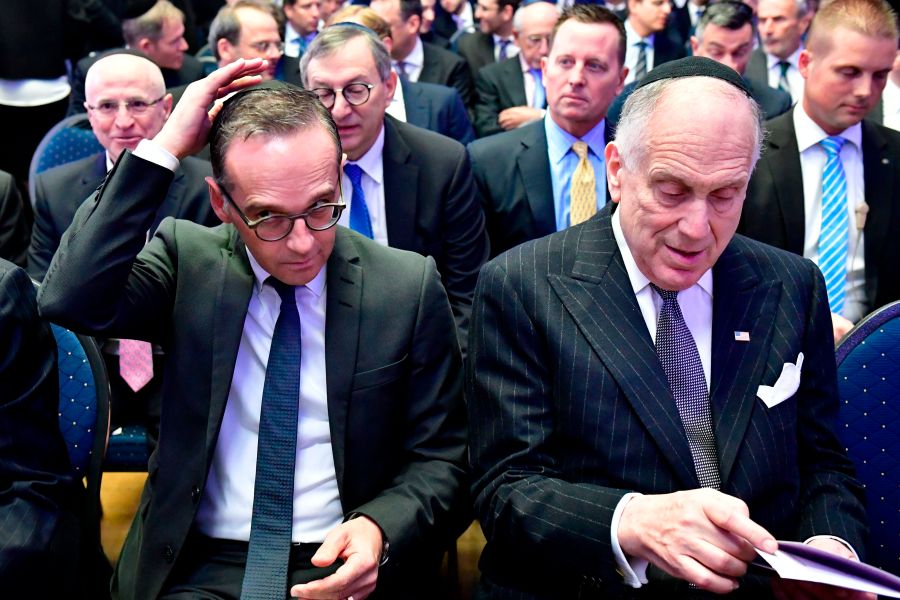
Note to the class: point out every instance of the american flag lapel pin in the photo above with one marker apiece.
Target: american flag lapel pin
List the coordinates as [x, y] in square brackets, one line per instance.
[742, 336]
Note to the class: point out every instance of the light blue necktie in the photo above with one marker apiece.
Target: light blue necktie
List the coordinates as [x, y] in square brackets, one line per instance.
[269, 551]
[833, 236]
[359, 212]
[540, 94]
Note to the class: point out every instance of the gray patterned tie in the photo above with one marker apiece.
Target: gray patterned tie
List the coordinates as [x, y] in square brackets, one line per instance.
[680, 360]
[640, 67]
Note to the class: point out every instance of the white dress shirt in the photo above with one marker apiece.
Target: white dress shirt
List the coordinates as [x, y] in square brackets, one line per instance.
[632, 39]
[397, 107]
[373, 187]
[796, 82]
[890, 102]
[511, 48]
[528, 77]
[812, 164]
[415, 60]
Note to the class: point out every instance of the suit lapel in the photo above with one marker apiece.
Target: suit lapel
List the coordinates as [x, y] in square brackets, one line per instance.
[172, 204]
[514, 82]
[740, 304]
[783, 162]
[600, 299]
[233, 278]
[533, 165]
[413, 104]
[344, 287]
[879, 169]
[401, 184]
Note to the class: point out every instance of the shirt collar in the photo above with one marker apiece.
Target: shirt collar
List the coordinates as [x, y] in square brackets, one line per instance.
[371, 162]
[316, 285]
[559, 141]
[524, 65]
[638, 280]
[772, 60]
[290, 34]
[810, 134]
[416, 57]
[632, 38]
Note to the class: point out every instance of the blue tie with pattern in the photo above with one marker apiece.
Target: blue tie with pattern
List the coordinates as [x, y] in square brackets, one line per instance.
[359, 212]
[680, 359]
[540, 94]
[269, 551]
[833, 236]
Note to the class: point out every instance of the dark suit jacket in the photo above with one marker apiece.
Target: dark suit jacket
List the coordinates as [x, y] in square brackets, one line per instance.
[514, 185]
[570, 409]
[774, 211]
[14, 222]
[477, 48]
[289, 70]
[61, 190]
[497, 87]
[757, 70]
[667, 47]
[39, 496]
[431, 208]
[394, 393]
[437, 108]
[446, 68]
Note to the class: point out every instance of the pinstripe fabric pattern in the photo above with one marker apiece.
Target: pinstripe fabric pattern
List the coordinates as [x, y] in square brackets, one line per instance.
[570, 408]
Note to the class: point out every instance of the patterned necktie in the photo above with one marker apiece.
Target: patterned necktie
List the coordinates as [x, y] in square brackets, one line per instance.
[359, 212]
[835, 221]
[502, 55]
[584, 187]
[540, 94]
[269, 551]
[402, 67]
[640, 67]
[135, 363]
[681, 362]
[783, 83]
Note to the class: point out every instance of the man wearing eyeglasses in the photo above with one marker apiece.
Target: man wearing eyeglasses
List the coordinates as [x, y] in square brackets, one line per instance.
[406, 187]
[312, 432]
[511, 93]
[248, 29]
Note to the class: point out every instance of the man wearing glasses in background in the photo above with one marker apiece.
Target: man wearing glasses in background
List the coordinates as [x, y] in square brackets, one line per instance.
[312, 432]
[405, 187]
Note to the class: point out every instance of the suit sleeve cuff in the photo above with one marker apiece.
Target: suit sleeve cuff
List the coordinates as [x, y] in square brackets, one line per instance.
[632, 570]
[153, 152]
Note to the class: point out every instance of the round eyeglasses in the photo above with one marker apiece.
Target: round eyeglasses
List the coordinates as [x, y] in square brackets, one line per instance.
[272, 228]
[136, 106]
[355, 94]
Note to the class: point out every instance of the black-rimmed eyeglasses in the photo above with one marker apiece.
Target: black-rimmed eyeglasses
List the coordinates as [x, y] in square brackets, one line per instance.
[272, 228]
[355, 94]
[136, 106]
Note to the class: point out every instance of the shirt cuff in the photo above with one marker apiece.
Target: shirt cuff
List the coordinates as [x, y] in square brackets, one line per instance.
[633, 570]
[837, 539]
[153, 152]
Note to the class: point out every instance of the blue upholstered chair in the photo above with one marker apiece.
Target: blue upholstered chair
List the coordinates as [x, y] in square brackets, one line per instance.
[869, 424]
[70, 139]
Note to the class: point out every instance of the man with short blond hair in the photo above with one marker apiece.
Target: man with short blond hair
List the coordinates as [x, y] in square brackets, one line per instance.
[826, 186]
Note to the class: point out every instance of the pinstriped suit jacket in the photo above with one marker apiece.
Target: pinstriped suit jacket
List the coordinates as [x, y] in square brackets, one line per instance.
[570, 408]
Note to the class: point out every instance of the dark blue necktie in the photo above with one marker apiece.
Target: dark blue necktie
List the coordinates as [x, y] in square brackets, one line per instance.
[265, 577]
[359, 212]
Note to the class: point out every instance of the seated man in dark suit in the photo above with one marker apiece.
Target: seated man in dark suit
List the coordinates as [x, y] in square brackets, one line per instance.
[617, 370]
[303, 442]
[434, 107]
[511, 93]
[827, 185]
[650, 43]
[532, 180]
[14, 222]
[126, 103]
[159, 35]
[418, 61]
[39, 495]
[494, 42]
[406, 187]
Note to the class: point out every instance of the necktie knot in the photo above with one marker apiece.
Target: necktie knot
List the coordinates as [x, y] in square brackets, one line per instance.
[642, 45]
[536, 74]
[354, 172]
[580, 149]
[667, 295]
[784, 66]
[833, 145]
[285, 291]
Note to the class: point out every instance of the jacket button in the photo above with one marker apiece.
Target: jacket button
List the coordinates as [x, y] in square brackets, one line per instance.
[168, 554]
[195, 494]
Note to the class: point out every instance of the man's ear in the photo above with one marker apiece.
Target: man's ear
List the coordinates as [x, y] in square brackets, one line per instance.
[613, 171]
[217, 201]
[803, 62]
[695, 43]
[143, 45]
[225, 51]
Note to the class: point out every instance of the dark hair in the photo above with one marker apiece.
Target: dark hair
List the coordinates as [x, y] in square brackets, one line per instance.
[594, 14]
[226, 24]
[514, 3]
[729, 14]
[271, 109]
[409, 8]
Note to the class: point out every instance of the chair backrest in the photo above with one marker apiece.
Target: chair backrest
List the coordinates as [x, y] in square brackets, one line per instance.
[70, 139]
[869, 424]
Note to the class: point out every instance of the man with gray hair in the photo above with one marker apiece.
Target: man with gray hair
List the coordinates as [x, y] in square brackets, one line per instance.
[782, 25]
[312, 433]
[619, 371]
[406, 187]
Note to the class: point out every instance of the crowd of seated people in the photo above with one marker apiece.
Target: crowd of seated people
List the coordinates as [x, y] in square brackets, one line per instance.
[364, 270]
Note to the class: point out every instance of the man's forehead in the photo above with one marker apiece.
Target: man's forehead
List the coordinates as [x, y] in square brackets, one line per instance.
[722, 35]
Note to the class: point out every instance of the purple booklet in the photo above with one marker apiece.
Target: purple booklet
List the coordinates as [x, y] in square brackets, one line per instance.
[794, 560]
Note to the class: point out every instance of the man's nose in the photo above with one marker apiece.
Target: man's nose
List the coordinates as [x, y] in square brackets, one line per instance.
[124, 118]
[694, 222]
[300, 239]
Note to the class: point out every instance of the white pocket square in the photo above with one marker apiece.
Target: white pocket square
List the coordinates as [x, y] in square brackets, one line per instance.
[786, 386]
